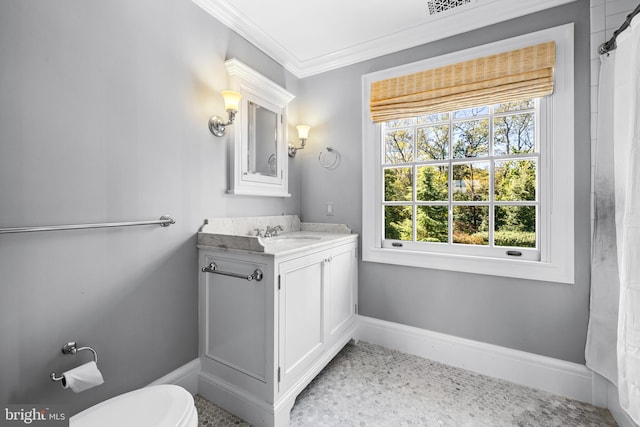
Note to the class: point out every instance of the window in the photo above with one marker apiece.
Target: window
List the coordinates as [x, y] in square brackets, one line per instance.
[463, 181]
[486, 189]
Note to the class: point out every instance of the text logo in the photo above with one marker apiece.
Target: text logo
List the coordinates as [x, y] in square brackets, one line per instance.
[34, 415]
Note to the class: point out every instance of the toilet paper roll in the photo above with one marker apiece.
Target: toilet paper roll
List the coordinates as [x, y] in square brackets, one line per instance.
[82, 377]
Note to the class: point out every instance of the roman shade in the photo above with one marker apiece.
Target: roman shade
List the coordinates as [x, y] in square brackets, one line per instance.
[509, 76]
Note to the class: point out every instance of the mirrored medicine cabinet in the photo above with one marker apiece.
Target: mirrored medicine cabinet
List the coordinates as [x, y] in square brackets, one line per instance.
[258, 157]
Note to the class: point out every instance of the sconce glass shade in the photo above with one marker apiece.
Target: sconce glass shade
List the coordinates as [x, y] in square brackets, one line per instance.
[303, 134]
[217, 125]
[303, 131]
[231, 100]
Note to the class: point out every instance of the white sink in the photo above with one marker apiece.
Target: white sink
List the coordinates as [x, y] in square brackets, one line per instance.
[287, 242]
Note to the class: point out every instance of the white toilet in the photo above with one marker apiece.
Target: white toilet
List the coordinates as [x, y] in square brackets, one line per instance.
[155, 406]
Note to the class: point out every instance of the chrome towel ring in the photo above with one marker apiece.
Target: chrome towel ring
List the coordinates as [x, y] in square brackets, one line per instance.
[329, 158]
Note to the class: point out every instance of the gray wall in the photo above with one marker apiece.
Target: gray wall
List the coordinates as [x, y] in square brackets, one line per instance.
[103, 117]
[543, 318]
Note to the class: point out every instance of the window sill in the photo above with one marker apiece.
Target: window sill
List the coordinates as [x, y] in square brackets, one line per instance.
[522, 269]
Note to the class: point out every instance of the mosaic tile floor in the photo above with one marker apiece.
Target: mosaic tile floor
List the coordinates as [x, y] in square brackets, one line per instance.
[369, 385]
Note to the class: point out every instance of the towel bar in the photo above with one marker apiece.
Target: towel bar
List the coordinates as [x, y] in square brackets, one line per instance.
[164, 221]
[213, 268]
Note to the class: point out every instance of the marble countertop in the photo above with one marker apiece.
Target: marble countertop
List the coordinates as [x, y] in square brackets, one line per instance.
[240, 234]
[284, 244]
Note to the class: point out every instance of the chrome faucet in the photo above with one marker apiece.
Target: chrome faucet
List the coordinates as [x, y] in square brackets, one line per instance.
[272, 231]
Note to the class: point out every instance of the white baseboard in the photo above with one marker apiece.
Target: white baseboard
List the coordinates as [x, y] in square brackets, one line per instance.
[622, 418]
[185, 376]
[544, 373]
[235, 400]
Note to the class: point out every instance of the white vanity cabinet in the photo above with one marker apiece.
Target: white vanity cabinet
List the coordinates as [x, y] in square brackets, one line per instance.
[317, 303]
[262, 342]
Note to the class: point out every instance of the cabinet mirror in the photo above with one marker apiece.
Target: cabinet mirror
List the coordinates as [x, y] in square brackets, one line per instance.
[262, 153]
[259, 164]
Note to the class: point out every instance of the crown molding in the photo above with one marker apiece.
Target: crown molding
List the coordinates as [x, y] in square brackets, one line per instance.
[248, 78]
[480, 14]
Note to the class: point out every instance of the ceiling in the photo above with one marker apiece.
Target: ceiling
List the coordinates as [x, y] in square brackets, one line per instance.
[308, 37]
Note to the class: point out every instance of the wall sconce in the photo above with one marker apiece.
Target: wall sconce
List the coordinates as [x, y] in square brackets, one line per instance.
[231, 103]
[303, 134]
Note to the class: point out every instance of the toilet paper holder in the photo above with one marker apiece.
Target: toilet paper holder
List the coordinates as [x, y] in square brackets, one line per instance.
[72, 348]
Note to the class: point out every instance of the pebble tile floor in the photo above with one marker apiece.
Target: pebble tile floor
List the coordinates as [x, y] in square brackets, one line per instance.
[369, 385]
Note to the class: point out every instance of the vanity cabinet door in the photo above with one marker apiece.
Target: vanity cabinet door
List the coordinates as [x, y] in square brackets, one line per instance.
[235, 320]
[341, 281]
[301, 316]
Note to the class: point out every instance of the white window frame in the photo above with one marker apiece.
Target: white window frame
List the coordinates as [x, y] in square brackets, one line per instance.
[556, 216]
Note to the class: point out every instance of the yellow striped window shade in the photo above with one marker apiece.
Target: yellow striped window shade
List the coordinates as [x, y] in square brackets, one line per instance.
[509, 76]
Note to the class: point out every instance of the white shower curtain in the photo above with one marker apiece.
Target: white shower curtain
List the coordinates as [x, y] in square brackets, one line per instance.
[626, 126]
[603, 320]
[615, 281]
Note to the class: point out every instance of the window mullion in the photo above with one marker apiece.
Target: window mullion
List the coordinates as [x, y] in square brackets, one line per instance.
[491, 203]
[450, 166]
[492, 192]
[415, 197]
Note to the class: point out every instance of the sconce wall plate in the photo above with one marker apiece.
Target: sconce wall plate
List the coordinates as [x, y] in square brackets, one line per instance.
[217, 126]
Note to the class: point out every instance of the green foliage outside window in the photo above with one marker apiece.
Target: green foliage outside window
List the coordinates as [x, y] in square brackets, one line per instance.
[425, 146]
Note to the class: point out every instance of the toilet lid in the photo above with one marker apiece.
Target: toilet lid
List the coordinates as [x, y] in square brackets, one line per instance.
[154, 406]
